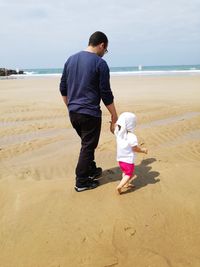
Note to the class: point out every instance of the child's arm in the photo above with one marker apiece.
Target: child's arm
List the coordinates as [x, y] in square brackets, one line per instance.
[140, 149]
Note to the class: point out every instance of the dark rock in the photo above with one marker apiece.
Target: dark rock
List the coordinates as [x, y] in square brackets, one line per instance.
[7, 72]
[2, 72]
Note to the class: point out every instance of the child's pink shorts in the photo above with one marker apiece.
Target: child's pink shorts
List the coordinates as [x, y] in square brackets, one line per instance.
[127, 168]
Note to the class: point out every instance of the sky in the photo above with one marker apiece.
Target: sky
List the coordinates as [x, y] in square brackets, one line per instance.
[44, 33]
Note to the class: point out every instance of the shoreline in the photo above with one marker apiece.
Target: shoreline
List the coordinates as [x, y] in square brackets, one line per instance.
[114, 74]
[139, 70]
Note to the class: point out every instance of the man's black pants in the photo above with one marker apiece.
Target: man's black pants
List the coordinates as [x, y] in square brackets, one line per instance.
[88, 128]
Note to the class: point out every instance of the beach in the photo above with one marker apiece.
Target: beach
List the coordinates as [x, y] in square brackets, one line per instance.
[45, 222]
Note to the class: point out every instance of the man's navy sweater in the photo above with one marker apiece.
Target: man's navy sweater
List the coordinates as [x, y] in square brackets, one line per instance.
[85, 81]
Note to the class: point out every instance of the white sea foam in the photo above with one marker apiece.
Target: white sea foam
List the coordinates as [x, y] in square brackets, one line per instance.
[33, 75]
[155, 73]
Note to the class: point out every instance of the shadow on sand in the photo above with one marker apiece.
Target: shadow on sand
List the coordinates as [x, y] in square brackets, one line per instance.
[144, 175]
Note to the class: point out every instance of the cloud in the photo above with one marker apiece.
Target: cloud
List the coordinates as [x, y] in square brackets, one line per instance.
[35, 13]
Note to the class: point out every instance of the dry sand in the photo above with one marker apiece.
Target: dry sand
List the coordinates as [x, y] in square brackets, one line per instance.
[45, 223]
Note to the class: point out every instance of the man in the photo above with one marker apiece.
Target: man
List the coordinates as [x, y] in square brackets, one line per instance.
[84, 83]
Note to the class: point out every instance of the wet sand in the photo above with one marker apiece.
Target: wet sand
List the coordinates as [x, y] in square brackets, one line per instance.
[44, 222]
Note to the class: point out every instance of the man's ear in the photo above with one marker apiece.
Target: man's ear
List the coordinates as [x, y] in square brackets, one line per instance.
[102, 45]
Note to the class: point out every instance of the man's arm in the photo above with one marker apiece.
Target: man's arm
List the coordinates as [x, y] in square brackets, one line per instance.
[113, 112]
[106, 93]
[114, 117]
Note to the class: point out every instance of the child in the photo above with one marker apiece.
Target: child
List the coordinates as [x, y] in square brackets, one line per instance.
[127, 145]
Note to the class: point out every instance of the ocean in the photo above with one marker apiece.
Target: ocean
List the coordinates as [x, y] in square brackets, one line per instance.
[135, 70]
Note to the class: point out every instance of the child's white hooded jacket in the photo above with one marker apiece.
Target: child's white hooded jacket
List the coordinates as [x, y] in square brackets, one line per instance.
[125, 137]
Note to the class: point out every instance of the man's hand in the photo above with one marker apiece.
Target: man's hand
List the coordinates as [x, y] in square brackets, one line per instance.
[112, 127]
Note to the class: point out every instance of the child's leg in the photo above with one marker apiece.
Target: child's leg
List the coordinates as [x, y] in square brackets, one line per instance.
[124, 180]
[128, 184]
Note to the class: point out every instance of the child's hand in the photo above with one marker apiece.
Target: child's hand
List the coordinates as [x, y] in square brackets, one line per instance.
[144, 150]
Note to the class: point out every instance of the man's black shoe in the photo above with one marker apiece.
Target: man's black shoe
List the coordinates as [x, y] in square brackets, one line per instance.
[96, 173]
[88, 186]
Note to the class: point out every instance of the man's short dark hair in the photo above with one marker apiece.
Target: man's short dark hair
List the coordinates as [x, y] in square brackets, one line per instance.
[97, 38]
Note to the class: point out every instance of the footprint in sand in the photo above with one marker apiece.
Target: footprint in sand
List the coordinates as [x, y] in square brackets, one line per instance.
[129, 230]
